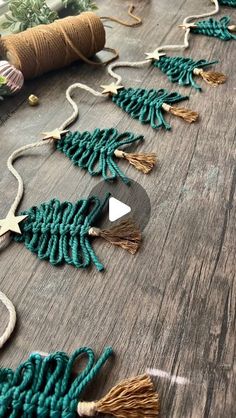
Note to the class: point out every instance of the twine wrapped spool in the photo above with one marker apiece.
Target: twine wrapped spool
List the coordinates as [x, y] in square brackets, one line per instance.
[49, 47]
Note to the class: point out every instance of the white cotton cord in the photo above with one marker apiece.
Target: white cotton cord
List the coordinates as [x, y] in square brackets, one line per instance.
[6, 238]
[75, 113]
[12, 319]
[124, 64]
[15, 173]
[217, 8]
[163, 48]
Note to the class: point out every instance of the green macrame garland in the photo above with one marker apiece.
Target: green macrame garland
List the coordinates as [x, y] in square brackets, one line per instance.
[96, 152]
[230, 3]
[61, 232]
[182, 70]
[148, 105]
[49, 387]
[217, 28]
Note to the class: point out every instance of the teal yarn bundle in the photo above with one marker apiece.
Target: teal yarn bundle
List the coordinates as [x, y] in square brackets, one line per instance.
[61, 232]
[182, 70]
[148, 106]
[97, 152]
[230, 3]
[217, 28]
[49, 387]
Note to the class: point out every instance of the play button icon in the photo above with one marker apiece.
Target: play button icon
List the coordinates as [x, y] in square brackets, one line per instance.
[117, 209]
[124, 202]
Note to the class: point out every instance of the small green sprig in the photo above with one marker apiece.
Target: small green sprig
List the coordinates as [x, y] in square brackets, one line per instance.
[79, 6]
[24, 14]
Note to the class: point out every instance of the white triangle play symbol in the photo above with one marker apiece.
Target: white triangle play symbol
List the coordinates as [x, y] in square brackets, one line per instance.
[117, 209]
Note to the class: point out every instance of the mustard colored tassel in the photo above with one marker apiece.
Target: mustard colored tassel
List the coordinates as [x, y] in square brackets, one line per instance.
[143, 161]
[125, 235]
[133, 398]
[188, 115]
[211, 77]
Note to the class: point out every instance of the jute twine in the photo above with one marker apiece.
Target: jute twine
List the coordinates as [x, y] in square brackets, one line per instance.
[49, 47]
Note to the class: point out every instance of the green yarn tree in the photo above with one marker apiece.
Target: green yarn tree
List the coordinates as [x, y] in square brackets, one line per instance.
[97, 152]
[182, 70]
[230, 3]
[61, 232]
[51, 387]
[148, 106]
[217, 28]
[46, 386]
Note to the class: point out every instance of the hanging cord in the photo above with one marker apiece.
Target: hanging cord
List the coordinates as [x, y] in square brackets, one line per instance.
[12, 319]
[6, 238]
[138, 20]
[161, 49]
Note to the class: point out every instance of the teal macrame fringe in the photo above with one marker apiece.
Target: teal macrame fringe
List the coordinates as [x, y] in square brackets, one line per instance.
[146, 105]
[47, 387]
[230, 3]
[217, 28]
[95, 151]
[180, 69]
[58, 232]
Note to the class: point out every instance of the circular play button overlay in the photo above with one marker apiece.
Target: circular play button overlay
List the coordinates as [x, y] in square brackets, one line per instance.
[124, 202]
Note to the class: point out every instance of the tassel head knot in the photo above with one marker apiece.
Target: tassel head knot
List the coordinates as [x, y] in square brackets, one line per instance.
[86, 409]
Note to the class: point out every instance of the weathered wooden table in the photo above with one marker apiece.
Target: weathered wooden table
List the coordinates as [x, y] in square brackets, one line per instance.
[171, 307]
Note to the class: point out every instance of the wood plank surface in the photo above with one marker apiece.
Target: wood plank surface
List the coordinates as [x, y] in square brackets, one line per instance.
[170, 308]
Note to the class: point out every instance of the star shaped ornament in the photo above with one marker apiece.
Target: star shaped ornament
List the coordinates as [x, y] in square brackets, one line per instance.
[11, 223]
[155, 55]
[55, 134]
[111, 88]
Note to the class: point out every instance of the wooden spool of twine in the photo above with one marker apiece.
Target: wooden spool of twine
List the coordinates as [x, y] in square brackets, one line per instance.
[49, 47]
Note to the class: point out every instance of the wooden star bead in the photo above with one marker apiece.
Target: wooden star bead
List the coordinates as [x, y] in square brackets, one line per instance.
[55, 134]
[111, 89]
[155, 55]
[11, 223]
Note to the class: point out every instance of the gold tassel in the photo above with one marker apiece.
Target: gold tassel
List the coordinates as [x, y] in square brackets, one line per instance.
[211, 77]
[133, 398]
[125, 235]
[143, 162]
[186, 114]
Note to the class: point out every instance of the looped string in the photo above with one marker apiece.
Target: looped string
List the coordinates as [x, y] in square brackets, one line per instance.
[12, 319]
[138, 20]
[162, 48]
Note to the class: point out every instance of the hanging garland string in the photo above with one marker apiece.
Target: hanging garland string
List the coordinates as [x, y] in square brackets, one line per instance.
[180, 69]
[59, 232]
[12, 319]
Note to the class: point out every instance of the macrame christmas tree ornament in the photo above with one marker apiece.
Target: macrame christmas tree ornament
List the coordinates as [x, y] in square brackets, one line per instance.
[61, 232]
[148, 106]
[98, 151]
[212, 27]
[49, 387]
[182, 70]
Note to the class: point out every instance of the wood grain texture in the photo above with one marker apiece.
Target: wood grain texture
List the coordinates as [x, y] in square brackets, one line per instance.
[171, 307]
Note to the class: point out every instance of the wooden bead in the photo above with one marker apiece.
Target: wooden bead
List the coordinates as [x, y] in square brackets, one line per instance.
[33, 100]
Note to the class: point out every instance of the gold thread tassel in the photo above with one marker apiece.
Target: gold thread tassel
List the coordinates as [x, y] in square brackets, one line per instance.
[211, 77]
[125, 235]
[188, 115]
[143, 161]
[133, 398]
